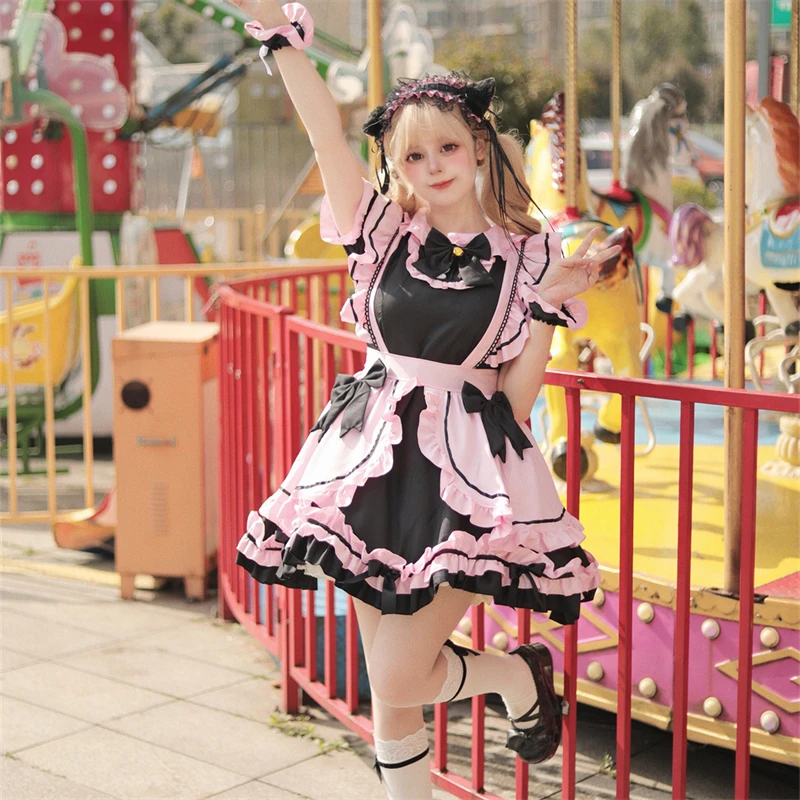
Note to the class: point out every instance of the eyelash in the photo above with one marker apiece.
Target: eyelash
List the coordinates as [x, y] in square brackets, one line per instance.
[453, 145]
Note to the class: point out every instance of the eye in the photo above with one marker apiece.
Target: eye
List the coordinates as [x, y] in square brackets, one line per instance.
[413, 156]
[450, 147]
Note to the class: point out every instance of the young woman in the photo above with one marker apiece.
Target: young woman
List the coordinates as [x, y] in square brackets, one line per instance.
[420, 490]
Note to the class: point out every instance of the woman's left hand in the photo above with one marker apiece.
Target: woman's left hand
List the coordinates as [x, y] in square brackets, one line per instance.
[568, 277]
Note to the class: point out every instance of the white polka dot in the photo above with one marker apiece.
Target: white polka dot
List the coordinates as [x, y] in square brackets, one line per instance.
[76, 84]
[33, 84]
[108, 85]
[109, 187]
[106, 34]
[75, 7]
[109, 161]
[37, 136]
[11, 137]
[37, 187]
[109, 112]
[208, 11]
[12, 187]
[108, 58]
[37, 161]
[228, 22]
[77, 110]
[75, 34]
[109, 136]
[11, 162]
[106, 9]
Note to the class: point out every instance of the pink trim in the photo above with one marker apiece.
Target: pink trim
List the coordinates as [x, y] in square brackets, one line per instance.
[295, 12]
[434, 374]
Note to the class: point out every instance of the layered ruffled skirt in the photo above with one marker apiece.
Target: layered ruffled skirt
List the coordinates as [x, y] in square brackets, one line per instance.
[415, 476]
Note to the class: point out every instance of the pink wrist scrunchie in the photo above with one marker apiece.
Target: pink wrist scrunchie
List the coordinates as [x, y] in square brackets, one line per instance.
[297, 33]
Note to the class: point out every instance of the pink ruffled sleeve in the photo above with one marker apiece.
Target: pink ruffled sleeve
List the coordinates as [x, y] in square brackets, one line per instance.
[375, 229]
[527, 305]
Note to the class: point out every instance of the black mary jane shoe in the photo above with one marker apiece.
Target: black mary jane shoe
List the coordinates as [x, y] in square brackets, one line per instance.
[540, 741]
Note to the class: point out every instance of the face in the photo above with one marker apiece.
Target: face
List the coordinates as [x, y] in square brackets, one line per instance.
[439, 162]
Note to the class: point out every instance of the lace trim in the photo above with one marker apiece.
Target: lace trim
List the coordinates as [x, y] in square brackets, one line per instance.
[396, 751]
[455, 676]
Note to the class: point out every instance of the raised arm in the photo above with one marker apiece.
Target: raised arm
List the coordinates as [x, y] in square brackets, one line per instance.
[341, 170]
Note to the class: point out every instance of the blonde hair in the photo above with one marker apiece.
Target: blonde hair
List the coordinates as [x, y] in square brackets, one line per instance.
[427, 119]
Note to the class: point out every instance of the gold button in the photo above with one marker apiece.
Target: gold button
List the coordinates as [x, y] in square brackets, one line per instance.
[457, 251]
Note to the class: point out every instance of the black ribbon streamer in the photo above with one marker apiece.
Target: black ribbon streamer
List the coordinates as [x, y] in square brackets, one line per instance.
[439, 256]
[349, 398]
[389, 593]
[498, 420]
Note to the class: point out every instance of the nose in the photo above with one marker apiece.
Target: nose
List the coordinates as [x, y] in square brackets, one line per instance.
[434, 165]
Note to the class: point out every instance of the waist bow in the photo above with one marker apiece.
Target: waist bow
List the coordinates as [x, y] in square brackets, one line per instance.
[498, 420]
[349, 398]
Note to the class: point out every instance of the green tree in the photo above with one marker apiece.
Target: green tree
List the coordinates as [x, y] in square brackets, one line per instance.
[171, 28]
[692, 33]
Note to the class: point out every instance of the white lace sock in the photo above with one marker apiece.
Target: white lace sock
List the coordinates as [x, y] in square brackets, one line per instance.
[470, 673]
[404, 767]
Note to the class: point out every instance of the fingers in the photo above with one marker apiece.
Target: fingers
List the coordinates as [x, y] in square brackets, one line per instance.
[608, 252]
[584, 246]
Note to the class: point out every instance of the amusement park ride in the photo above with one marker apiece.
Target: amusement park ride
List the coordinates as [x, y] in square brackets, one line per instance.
[67, 77]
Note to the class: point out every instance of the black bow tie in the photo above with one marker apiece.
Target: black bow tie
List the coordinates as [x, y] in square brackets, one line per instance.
[440, 258]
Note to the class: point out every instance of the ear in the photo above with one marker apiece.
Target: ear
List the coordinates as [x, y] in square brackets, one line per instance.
[481, 150]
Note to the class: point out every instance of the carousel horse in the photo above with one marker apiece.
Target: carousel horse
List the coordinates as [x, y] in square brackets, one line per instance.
[772, 224]
[614, 302]
[656, 143]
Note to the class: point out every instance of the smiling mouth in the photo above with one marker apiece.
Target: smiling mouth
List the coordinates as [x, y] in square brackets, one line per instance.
[442, 185]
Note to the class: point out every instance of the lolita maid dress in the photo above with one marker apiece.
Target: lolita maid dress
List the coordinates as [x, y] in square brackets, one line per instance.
[416, 474]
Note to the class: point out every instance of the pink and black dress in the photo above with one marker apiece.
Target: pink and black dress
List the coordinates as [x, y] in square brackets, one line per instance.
[416, 474]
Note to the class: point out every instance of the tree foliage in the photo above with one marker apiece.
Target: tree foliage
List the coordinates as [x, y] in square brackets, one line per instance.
[171, 29]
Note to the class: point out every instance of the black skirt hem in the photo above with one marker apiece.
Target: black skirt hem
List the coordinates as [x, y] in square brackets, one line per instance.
[563, 609]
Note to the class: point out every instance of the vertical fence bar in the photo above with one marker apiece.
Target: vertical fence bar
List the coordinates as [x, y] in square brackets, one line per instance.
[250, 435]
[329, 626]
[12, 404]
[351, 657]
[624, 662]
[746, 589]
[309, 385]
[668, 348]
[86, 361]
[227, 567]
[570, 726]
[680, 670]
[49, 407]
[238, 427]
[691, 347]
[311, 634]
[478, 707]
[188, 298]
[155, 299]
[119, 302]
[522, 771]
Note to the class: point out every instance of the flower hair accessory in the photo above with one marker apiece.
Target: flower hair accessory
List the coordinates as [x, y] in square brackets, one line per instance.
[297, 33]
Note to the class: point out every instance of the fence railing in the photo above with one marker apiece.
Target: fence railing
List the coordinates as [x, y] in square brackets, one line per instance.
[277, 369]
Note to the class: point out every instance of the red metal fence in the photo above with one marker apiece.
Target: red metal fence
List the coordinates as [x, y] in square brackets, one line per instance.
[276, 370]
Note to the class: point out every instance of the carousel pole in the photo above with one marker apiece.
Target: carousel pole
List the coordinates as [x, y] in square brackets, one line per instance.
[735, 33]
[571, 101]
[375, 88]
[616, 88]
[794, 58]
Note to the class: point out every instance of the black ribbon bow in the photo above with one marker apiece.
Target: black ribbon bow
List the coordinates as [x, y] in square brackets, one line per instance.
[349, 398]
[498, 420]
[390, 575]
[439, 256]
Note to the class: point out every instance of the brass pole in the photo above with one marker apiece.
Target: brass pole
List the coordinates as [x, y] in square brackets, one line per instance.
[616, 86]
[375, 88]
[735, 36]
[794, 58]
[571, 101]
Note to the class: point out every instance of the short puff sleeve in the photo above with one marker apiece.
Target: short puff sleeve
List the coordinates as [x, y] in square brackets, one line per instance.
[526, 304]
[375, 227]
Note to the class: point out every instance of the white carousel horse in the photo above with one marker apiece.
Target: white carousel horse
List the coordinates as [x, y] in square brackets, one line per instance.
[644, 203]
[772, 224]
